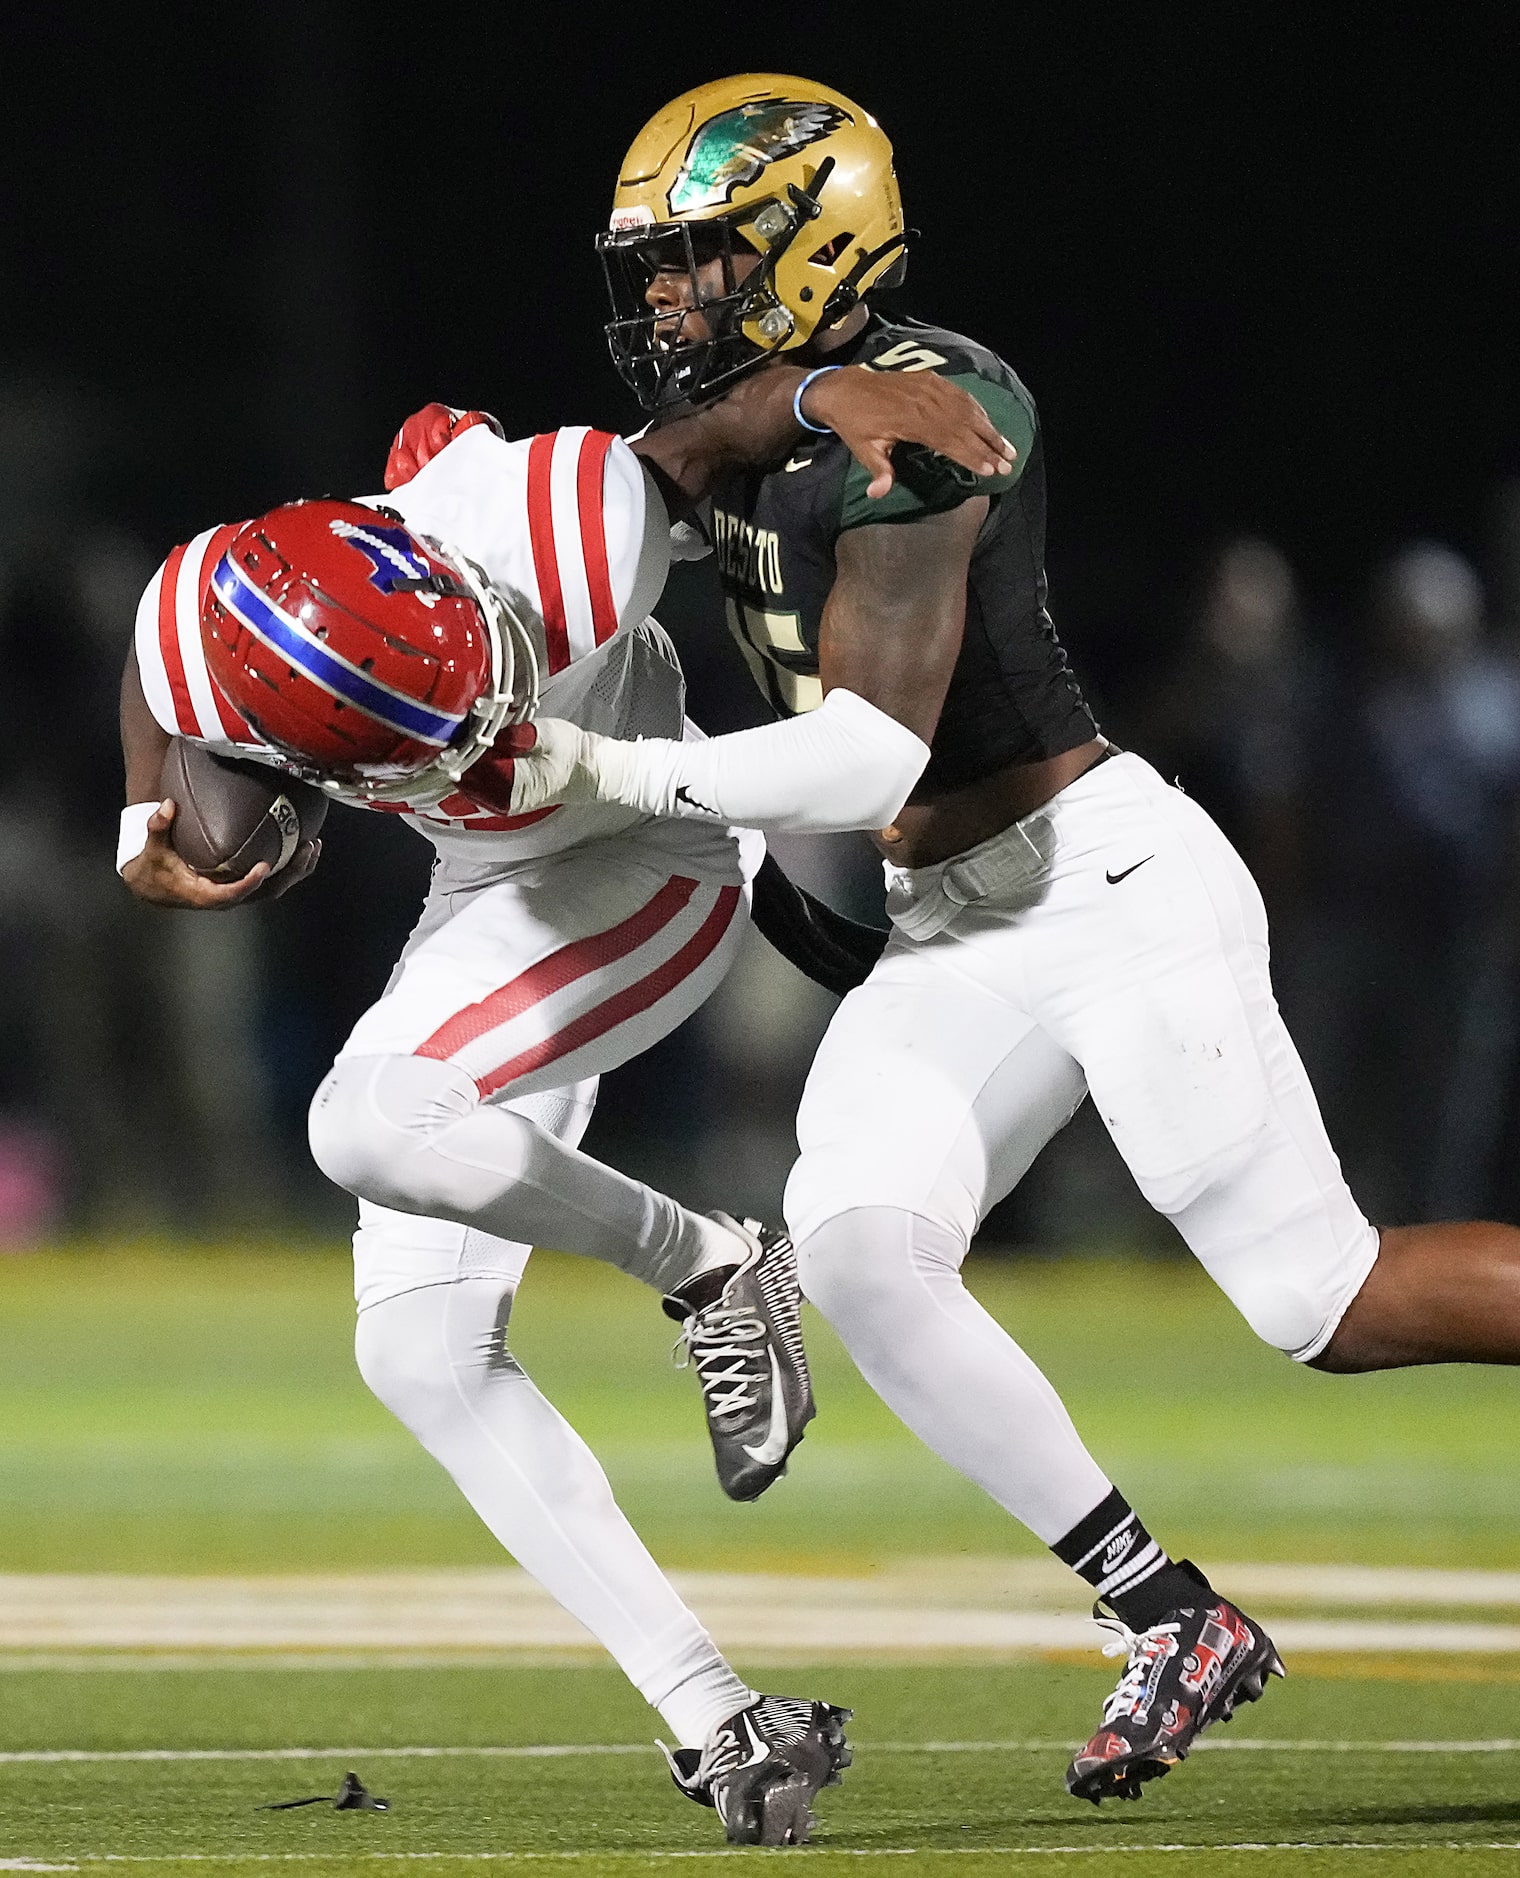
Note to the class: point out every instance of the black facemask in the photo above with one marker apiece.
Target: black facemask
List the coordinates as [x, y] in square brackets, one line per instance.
[652, 357]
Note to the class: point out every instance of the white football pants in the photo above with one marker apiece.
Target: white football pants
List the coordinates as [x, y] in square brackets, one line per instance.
[1113, 942]
[521, 981]
[454, 1113]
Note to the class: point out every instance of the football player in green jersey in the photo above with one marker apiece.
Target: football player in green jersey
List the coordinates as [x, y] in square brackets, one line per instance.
[903, 639]
[1063, 922]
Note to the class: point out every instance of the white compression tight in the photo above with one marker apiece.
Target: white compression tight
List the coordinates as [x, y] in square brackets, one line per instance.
[411, 1134]
[438, 1359]
[889, 1282]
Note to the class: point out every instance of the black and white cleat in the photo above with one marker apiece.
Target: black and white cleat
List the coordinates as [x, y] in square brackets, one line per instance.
[1191, 1669]
[746, 1347]
[763, 1768]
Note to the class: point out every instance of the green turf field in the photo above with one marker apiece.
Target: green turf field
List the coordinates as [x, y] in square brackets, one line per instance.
[199, 1413]
[202, 1413]
[615, 1811]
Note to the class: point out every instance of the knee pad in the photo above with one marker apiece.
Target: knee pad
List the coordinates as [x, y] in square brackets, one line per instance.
[419, 1352]
[1287, 1246]
[1297, 1318]
[399, 1367]
[834, 1265]
[824, 1268]
[371, 1123]
[1293, 1318]
[872, 1261]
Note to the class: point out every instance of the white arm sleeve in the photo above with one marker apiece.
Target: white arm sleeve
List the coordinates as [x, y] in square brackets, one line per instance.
[845, 765]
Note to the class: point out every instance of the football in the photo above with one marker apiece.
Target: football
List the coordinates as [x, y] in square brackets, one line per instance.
[230, 814]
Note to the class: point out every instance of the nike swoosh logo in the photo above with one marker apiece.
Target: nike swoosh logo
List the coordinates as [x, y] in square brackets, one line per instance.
[1114, 879]
[759, 1748]
[773, 1447]
[799, 462]
[683, 794]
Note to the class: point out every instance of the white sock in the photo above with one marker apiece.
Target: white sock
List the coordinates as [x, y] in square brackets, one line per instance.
[709, 1695]
[890, 1284]
[438, 1359]
[411, 1134]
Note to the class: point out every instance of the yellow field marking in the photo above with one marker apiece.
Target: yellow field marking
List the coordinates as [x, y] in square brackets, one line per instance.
[1328, 1667]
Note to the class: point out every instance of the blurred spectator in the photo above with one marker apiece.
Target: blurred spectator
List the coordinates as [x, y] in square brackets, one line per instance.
[1416, 1022]
[129, 1051]
[1503, 563]
[1234, 719]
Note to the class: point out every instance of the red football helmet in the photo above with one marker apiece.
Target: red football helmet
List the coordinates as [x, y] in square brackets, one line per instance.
[383, 662]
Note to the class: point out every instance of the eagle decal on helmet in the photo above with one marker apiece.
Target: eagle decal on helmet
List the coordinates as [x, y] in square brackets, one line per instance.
[732, 149]
[391, 553]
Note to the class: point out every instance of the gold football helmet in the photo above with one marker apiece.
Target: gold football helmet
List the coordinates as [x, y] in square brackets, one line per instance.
[779, 168]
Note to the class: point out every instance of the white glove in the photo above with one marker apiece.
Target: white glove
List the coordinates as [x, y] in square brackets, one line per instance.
[560, 767]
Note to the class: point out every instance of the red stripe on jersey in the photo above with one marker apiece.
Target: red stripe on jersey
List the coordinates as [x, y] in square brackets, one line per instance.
[168, 646]
[590, 469]
[463, 808]
[456, 807]
[234, 725]
[559, 969]
[551, 599]
[626, 1004]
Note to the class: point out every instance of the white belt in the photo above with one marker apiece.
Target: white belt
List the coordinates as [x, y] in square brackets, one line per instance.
[922, 901]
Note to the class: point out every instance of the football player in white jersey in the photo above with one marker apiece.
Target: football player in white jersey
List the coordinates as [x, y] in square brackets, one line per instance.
[1063, 921]
[556, 943]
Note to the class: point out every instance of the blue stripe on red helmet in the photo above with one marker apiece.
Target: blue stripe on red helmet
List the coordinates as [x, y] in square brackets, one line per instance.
[287, 636]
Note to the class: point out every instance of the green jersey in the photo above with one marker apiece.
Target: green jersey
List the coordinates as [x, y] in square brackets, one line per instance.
[1012, 697]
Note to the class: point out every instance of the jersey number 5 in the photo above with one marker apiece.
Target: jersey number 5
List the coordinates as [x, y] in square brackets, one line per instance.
[773, 647]
[906, 357]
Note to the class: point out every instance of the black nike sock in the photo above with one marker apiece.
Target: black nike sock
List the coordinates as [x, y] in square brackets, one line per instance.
[1126, 1567]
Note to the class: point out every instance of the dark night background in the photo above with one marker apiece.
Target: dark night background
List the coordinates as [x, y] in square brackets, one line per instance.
[1257, 265]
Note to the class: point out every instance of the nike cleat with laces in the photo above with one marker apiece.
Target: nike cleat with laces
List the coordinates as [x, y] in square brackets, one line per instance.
[763, 1768]
[746, 1347]
[1185, 1673]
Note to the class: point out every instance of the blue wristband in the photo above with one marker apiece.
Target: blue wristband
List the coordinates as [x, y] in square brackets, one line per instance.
[821, 430]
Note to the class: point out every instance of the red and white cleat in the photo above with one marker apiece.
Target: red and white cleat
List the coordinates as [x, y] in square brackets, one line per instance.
[1183, 1674]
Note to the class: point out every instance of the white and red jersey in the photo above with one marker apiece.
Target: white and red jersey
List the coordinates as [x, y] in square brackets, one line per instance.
[568, 528]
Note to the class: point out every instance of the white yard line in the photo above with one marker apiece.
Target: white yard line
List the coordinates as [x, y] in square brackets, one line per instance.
[1222, 1744]
[986, 1606]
